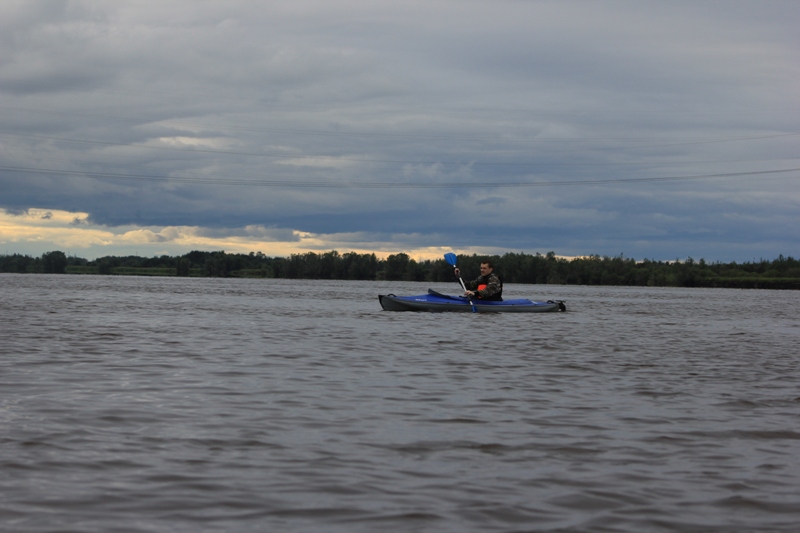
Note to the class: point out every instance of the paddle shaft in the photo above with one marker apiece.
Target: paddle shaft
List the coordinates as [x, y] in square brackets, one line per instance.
[452, 260]
[461, 281]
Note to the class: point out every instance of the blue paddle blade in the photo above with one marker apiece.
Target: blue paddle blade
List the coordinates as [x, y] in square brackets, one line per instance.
[451, 259]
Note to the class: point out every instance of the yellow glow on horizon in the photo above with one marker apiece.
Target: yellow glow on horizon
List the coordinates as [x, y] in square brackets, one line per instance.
[61, 228]
[57, 229]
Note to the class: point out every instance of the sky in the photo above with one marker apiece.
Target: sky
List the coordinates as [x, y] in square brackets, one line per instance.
[648, 129]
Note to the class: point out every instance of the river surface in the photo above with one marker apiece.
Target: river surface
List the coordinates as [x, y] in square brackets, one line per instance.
[207, 405]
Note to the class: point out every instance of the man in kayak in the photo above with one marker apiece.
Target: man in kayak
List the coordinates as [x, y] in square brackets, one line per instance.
[488, 285]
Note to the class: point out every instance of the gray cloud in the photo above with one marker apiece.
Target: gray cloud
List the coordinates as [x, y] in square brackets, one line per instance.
[399, 121]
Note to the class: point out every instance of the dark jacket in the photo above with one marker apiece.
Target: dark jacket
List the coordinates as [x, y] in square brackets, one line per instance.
[488, 287]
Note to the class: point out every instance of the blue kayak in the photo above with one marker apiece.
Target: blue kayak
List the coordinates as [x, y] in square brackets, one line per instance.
[434, 301]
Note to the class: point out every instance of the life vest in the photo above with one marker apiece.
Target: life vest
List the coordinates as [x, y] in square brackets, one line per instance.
[483, 283]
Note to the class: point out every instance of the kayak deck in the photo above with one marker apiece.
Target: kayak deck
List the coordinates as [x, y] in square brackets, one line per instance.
[437, 302]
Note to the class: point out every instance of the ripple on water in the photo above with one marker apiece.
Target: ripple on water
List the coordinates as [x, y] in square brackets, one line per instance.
[227, 405]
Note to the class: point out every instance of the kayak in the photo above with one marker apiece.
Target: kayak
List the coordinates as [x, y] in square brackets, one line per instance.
[434, 301]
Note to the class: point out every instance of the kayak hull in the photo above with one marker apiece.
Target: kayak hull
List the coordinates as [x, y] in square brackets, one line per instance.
[436, 302]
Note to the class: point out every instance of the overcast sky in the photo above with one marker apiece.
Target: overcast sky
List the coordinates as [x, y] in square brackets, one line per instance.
[656, 130]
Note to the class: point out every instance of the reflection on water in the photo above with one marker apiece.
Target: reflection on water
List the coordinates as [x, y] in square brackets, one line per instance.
[152, 404]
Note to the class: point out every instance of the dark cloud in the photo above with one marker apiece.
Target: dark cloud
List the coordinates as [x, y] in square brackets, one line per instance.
[399, 122]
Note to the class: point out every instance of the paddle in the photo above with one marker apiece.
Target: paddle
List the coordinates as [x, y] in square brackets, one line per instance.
[451, 259]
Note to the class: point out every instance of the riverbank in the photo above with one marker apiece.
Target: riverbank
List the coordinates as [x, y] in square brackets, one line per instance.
[782, 273]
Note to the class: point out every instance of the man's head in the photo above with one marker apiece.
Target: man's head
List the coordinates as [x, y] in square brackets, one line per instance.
[486, 268]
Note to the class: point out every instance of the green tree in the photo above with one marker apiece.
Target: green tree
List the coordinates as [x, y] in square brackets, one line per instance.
[182, 267]
[217, 265]
[54, 262]
[17, 263]
[396, 266]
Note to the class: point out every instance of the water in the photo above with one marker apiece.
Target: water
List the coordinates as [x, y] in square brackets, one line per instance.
[162, 404]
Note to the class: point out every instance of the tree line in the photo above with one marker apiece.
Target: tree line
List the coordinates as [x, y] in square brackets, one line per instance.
[780, 273]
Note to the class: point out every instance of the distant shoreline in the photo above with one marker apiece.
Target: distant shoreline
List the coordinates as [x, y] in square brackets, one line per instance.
[781, 274]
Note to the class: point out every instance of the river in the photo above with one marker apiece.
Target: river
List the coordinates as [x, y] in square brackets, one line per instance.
[223, 405]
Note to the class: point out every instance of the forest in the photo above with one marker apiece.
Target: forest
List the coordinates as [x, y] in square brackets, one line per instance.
[780, 273]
